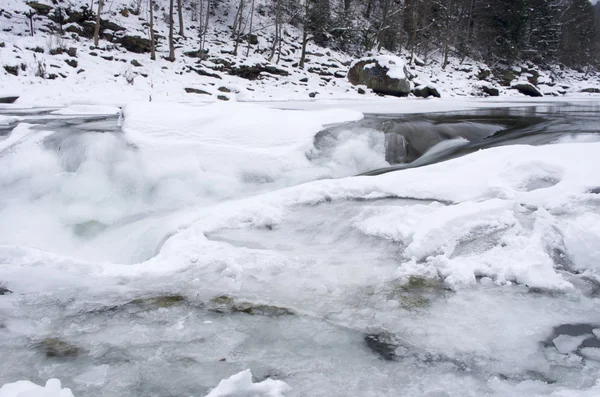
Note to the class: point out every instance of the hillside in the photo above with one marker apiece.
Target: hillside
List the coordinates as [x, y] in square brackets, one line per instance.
[59, 64]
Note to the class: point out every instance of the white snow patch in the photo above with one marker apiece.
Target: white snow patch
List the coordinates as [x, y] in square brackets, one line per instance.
[241, 384]
[24, 388]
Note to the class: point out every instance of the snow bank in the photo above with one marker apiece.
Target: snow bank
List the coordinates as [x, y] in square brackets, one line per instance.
[241, 384]
[24, 388]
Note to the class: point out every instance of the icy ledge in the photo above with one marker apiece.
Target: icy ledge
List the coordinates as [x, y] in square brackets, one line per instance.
[239, 384]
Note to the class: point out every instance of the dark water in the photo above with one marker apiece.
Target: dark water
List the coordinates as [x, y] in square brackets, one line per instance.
[408, 138]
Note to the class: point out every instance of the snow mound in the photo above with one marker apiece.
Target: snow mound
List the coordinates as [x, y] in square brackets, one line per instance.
[240, 385]
[25, 388]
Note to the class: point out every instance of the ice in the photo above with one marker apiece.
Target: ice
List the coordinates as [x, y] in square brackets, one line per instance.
[24, 388]
[566, 343]
[240, 385]
[582, 240]
[94, 377]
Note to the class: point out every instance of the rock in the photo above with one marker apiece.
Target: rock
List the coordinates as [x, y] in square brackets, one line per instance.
[419, 62]
[197, 54]
[223, 98]
[385, 75]
[591, 90]
[94, 54]
[14, 70]
[304, 80]
[224, 89]
[484, 74]
[41, 9]
[124, 12]
[107, 57]
[190, 90]
[56, 51]
[54, 347]
[8, 99]
[80, 71]
[226, 304]
[253, 38]
[74, 29]
[5, 291]
[361, 91]
[108, 25]
[72, 52]
[38, 50]
[490, 90]
[253, 72]
[382, 344]
[136, 44]
[135, 63]
[2, 44]
[425, 91]
[160, 301]
[339, 75]
[71, 62]
[313, 94]
[203, 72]
[526, 88]
[505, 77]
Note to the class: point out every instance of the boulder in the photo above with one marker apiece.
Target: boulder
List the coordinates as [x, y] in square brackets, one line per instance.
[41, 9]
[591, 90]
[136, 44]
[490, 90]
[253, 72]
[8, 99]
[202, 54]
[385, 75]
[190, 90]
[526, 88]
[425, 91]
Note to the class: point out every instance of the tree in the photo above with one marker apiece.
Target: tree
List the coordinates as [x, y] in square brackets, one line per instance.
[171, 44]
[152, 43]
[97, 27]
[180, 12]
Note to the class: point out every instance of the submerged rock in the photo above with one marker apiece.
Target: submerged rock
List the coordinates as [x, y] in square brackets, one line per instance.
[55, 347]
[226, 304]
[383, 344]
[159, 301]
[4, 291]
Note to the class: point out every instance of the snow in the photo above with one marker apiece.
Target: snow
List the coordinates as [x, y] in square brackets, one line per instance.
[241, 385]
[25, 388]
[394, 64]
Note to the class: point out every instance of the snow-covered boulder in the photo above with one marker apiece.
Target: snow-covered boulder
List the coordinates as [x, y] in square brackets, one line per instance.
[526, 88]
[426, 90]
[383, 74]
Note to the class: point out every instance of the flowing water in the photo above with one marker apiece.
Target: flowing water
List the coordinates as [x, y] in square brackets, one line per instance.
[308, 299]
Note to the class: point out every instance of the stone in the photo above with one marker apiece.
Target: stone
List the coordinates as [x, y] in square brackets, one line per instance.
[8, 99]
[14, 70]
[135, 63]
[136, 44]
[3, 290]
[304, 80]
[224, 89]
[107, 57]
[591, 90]
[383, 345]
[253, 72]
[71, 62]
[484, 74]
[252, 37]
[94, 54]
[526, 88]
[72, 52]
[505, 77]
[312, 94]
[361, 91]
[425, 91]
[373, 74]
[190, 90]
[223, 98]
[55, 347]
[490, 90]
[197, 54]
[52, 76]
[38, 50]
[41, 9]
[203, 72]
[124, 12]
[225, 304]
[160, 301]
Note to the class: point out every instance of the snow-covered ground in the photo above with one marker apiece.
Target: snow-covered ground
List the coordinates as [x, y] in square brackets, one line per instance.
[198, 241]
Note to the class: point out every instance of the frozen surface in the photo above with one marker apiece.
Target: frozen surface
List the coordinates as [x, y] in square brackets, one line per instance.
[193, 253]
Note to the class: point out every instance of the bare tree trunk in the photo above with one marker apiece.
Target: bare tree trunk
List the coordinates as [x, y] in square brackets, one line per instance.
[171, 44]
[152, 45]
[277, 30]
[369, 9]
[250, 30]
[447, 34]
[237, 26]
[180, 12]
[203, 41]
[304, 34]
[97, 28]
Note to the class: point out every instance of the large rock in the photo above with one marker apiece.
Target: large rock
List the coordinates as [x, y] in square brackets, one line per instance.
[591, 90]
[8, 99]
[135, 44]
[383, 74]
[527, 88]
[425, 91]
[253, 72]
[41, 9]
